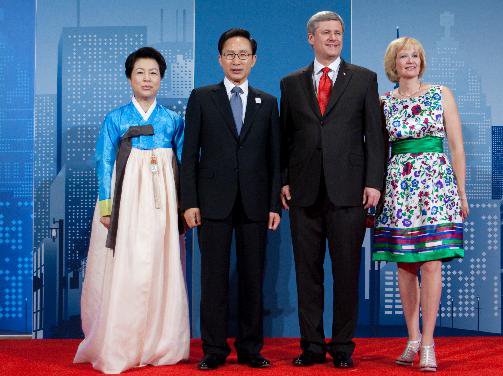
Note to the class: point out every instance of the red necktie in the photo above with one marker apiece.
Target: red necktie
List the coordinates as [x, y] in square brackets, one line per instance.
[324, 89]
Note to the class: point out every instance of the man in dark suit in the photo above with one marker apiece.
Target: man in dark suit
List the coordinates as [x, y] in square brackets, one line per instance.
[332, 170]
[230, 180]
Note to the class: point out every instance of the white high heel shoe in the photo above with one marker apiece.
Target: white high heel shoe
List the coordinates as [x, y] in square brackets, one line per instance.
[428, 360]
[409, 353]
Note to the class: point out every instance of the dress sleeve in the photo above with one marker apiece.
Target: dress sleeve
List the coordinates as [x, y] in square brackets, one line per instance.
[106, 150]
[178, 136]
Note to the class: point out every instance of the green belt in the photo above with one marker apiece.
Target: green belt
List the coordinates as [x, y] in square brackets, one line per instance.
[427, 144]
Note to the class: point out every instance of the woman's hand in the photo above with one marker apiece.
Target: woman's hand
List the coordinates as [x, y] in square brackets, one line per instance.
[465, 210]
[105, 221]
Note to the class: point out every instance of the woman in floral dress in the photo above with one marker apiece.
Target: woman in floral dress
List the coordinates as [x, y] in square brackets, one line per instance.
[425, 201]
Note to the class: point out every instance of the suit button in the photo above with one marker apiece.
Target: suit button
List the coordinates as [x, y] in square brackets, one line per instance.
[240, 146]
[236, 169]
[321, 123]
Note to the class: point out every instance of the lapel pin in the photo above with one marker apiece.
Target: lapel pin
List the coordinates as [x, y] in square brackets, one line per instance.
[344, 73]
[258, 100]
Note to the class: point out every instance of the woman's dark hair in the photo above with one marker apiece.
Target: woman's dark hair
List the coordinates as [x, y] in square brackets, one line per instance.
[231, 33]
[145, 53]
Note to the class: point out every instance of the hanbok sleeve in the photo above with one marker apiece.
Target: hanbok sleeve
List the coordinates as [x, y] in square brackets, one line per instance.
[178, 137]
[106, 150]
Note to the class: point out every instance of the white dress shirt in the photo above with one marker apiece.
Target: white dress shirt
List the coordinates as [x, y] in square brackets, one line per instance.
[317, 72]
[229, 85]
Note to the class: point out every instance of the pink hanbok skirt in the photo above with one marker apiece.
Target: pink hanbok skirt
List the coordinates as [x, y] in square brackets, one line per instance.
[134, 304]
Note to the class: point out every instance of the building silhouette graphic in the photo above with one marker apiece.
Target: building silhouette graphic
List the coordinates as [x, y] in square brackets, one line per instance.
[177, 55]
[179, 77]
[44, 163]
[448, 68]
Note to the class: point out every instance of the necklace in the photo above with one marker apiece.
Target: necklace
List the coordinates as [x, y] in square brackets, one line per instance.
[412, 94]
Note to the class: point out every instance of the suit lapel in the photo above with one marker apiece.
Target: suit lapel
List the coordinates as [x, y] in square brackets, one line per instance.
[251, 110]
[307, 84]
[221, 100]
[341, 82]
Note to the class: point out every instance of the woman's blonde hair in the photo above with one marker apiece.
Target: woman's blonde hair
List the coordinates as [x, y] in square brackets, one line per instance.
[392, 51]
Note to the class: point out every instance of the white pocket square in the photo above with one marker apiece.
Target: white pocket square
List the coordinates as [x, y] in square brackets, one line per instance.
[258, 100]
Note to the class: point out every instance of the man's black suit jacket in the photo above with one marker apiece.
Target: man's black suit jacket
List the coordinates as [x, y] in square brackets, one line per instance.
[217, 163]
[345, 144]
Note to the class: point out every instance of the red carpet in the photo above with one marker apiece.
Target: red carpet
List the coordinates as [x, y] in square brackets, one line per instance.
[478, 356]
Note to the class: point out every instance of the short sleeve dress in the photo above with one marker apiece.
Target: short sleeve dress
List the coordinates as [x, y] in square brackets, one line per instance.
[421, 219]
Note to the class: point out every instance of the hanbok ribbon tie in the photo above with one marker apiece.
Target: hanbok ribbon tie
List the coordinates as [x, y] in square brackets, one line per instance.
[154, 168]
[427, 144]
[120, 168]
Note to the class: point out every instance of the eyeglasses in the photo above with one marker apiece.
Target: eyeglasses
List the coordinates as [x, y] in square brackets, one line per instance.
[232, 55]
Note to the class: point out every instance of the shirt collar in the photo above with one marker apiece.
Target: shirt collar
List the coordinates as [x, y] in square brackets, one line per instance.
[229, 85]
[334, 65]
[144, 115]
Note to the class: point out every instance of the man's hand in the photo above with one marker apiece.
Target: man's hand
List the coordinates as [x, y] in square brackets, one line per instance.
[285, 196]
[192, 217]
[274, 220]
[370, 197]
[105, 221]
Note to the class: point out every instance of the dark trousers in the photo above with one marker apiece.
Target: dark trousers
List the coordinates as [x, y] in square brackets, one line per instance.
[344, 228]
[215, 237]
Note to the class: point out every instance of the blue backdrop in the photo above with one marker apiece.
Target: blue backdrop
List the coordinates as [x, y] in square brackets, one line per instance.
[47, 182]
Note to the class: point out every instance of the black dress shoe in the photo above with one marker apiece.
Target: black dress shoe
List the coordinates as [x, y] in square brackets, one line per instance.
[308, 358]
[254, 361]
[342, 360]
[210, 362]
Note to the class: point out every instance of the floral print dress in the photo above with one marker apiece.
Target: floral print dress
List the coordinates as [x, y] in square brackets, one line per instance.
[421, 219]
